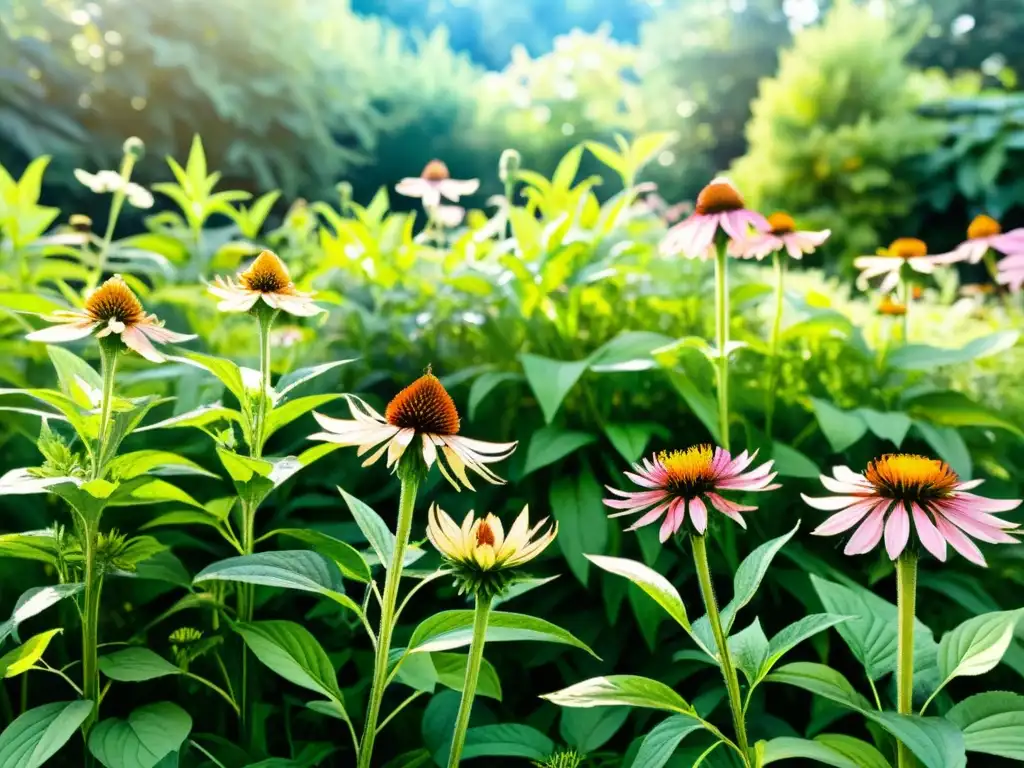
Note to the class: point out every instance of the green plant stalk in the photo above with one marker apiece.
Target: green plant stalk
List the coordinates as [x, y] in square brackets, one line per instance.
[908, 298]
[722, 338]
[476, 655]
[732, 685]
[127, 165]
[406, 505]
[780, 264]
[906, 589]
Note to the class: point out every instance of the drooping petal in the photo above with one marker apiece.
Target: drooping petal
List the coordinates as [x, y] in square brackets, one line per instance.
[847, 518]
[868, 534]
[698, 514]
[135, 339]
[830, 503]
[959, 541]
[928, 534]
[56, 334]
[897, 530]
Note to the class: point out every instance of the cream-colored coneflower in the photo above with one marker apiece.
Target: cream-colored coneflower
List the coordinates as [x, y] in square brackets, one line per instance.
[423, 412]
[478, 551]
[112, 309]
[266, 278]
[434, 183]
[907, 251]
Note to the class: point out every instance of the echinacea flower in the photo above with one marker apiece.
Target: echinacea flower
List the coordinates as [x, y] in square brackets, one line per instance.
[899, 488]
[449, 216]
[424, 414]
[111, 181]
[434, 183]
[113, 308]
[677, 482]
[985, 233]
[266, 279]
[719, 206]
[891, 308]
[782, 234]
[1010, 271]
[907, 251]
[479, 551]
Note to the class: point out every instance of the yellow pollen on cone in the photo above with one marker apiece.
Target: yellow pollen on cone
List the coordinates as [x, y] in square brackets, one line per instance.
[983, 226]
[781, 223]
[908, 248]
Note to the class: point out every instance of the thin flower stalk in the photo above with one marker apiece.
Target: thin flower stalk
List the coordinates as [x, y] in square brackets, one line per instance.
[732, 684]
[779, 264]
[406, 506]
[722, 340]
[481, 614]
[906, 588]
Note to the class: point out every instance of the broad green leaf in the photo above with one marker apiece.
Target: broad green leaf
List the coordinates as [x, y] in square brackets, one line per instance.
[200, 417]
[229, 374]
[551, 380]
[621, 690]
[588, 729]
[30, 545]
[955, 409]
[290, 381]
[658, 746]
[891, 425]
[451, 673]
[822, 681]
[150, 734]
[656, 586]
[37, 735]
[992, 723]
[936, 742]
[749, 651]
[153, 462]
[285, 414]
[922, 357]
[551, 444]
[505, 740]
[22, 658]
[486, 383]
[629, 351]
[949, 446]
[841, 428]
[788, 638]
[789, 462]
[290, 650]
[34, 601]
[136, 665]
[631, 440]
[376, 531]
[829, 749]
[454, 629]
[976, 646]
[577, 505]
[149, 490]
[70, 370]
[343, 554]
[702, 402]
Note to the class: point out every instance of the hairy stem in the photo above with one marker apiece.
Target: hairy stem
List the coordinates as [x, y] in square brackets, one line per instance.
[732, 685]
[906, 588]
[780, 264]
[93, 577]
[116, 204]
[476, 655]
[406, 505]
[722, 339]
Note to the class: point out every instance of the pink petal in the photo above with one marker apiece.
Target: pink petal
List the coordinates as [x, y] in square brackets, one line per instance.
[652, 516]
[845, 520]
[830, 503]
[699, 515]
[868, 534]
[928, 534]
[989, 505]
[897, 530]
[135, 339]
[959, 541]
[63, 332]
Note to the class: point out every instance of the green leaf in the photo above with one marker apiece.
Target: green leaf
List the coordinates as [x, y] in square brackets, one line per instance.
[749, 650]
[631, 440]
[288, 569]
[702, 402]
[789, 462]
[955, 409]
[150, 734]
[992, 723]
[37, 735]
[454, 629]
[787, 639]
[344, 555]
[505, 740]
[976, 646]
[891, 425]
[30, 545]
[451, 673]
[290, 381]
[376, 531]
[658, 746]
[550, 444]
[24, 657]
[589, 729]
[551, 380]
[821, 681]
[621, 690]
[290, 650]
[486, 383]
[922, 357]
[229, 374]
[656, 586]
[136, 665]
[71, 368]
[131, 465]
[950, 447]
[34, 601]
[576, 502]
[200, 417]
[841, 428]
[828, 749]
[285, 414]
[936, 742]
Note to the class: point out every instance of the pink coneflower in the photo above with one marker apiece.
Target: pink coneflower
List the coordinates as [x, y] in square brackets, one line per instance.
[112, 309]
[782, 234]
[1010, 271]
[434, 183]
[423, 412]
[899, 487]
[907, 251]
[688, 480]
[719, 205]
[985, 233]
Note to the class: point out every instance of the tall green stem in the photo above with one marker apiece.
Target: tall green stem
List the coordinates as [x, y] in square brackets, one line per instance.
[266, 317]
[406, 505]
[908, 298]
[732, 685]
[127, 165]
[780, 263]
[906, 589]
[476, 655]
[722, 338]
[93, 577]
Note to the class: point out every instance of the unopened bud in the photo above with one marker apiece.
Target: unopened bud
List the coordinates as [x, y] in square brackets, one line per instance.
[345, 193]
[508, 165]
[134, 147]
[80, 222]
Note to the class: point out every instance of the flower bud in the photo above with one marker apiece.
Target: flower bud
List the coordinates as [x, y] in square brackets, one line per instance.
[508, 165]
[345, 192]
[80, 222]
[134, 147]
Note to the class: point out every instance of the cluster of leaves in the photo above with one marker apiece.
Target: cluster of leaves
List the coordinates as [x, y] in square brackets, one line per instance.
[554, 322]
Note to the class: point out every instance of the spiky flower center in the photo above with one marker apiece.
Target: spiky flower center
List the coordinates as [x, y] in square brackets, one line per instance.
[114, 300]
[912, 478]
[267, 274]
[435, 170]
[484, 534]
[689, 471]
[891, 308]
[781, 223]
[983, 226]
[908, 248]
[720, 196]
[425, 406]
